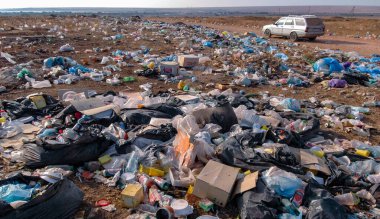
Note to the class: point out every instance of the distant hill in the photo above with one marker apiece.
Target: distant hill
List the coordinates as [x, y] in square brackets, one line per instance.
[209, 11]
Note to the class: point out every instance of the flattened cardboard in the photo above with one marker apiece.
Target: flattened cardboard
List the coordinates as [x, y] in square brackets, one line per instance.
[312, 162]
[97, 110]
[82, 105]
[216, 182]
[246, 183]
[29, 128]
[189, 99]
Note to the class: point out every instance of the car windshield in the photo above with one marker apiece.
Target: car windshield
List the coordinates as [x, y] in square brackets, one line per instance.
[314, 21]
[281, 21]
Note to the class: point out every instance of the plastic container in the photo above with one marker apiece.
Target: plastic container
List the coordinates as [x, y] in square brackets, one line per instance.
[132, 164]
[151, 171]
[96, 76]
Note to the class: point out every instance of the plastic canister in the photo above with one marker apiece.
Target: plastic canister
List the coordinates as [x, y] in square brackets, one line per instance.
[96, 76]
[364, 153]
[181, 207]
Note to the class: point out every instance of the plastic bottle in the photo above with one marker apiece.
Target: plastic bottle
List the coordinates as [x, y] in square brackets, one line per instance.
[132, 164]
[48, 132]
[349, 199]
[181, 85]
[371, 104]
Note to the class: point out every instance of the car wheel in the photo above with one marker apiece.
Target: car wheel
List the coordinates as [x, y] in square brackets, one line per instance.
[267, 33]
[293, 36]
[313, 38]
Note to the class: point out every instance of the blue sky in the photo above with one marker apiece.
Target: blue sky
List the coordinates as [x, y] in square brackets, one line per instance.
[175, 3]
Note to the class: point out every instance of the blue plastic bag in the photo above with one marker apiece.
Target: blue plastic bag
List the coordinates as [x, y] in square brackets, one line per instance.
[281, 182]
[75, 69]
[208, 44]
[282, 56]
[17, 192]
[292, 104]
[328, 65]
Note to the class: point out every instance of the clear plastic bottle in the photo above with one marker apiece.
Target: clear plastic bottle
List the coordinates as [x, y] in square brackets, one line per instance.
[371, 104]
[132, 163]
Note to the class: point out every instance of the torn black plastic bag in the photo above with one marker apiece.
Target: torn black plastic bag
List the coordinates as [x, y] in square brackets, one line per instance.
[55, 145]
[241, 100]
[60, 200]
[236, 151]
[258, 203]
[142, 116]
[314, 191]
[222, 115]
[165, 108]
[286, 158]
[162, 133]
[73, 155]
[326, 208]
[25, 107]
[311, 121]
[282, 136]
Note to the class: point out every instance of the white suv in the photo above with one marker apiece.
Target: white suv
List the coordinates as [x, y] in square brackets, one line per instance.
[295, 27]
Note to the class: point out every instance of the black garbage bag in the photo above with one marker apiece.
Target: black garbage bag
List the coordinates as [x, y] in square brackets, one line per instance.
[142, 116]
[60, 200]
[232, 152]
[242, 100]
[48, 144]
[282, 136]
[355, 78]
[165, 108]
[161, 133]
[314, 191]
[222, 115]
[326, 208]
[258, 203]
[72, 155]
[286, 158]
[311, 121]
[25, 107]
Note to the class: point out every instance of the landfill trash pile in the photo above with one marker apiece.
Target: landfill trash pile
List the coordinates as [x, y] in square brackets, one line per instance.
[247, 59]
[178, 155]
[183, 134]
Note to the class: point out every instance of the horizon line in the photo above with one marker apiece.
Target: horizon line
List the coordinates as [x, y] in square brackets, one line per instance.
[82, 7]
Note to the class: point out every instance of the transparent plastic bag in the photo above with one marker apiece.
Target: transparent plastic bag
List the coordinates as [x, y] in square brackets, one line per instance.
[282, 182]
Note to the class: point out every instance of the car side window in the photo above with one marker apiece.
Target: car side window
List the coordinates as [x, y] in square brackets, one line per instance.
[281, 21]
[300, 22]
[289, 21]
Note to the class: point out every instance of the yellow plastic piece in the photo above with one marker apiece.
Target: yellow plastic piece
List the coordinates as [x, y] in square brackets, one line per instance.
[151, 171]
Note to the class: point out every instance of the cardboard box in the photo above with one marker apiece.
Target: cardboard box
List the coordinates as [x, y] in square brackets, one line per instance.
[246, 183]
[132, 195]
[216, 182]
[188, 60]
[169, 68]
[188, 99]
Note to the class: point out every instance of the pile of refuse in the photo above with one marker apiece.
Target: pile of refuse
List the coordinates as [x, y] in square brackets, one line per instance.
[248, 58]
[219, 154]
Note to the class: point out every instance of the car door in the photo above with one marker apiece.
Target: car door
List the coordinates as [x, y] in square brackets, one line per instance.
[277, 27]
[288, 27]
